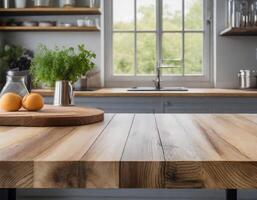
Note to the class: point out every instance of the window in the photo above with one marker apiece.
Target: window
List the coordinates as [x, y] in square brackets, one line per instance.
[174, 32]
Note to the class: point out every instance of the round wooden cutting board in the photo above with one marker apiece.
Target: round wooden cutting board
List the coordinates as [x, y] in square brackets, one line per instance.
[52, 116]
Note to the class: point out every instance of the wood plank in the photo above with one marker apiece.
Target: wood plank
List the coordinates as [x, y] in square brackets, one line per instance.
[198, 149]
[16, 174]
[110, 144]
[62, 166]
[103, 159]
[60, 174]
[142, 164]
[49, 29]
[181, 143]
[211, 175]
[177, 142]
[24, 144]
[247, 31]
[193, 92]
[49, 11]
[230, 130]
[80, 139]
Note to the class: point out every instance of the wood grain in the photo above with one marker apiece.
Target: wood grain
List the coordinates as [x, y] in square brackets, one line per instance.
[80, 139]
[48, 11]
[52, 116]
[105, 154]
[207, 151]
[247, 31]
[16, 174]
[193, 92]
[211, 175]
[143, 144]
[216, 151]
[49, 29]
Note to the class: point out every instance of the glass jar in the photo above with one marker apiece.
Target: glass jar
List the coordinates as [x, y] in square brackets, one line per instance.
[254, 14]
[234, 13]
[15, 84]
[244, 10]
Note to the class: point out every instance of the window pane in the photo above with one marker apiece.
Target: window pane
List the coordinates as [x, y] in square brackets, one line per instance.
[173, 71]
[172, 49]
[146, 14]
[146, 52]
[123, 15]
[123, 53]
[194, 53]
[193, 14]
[172, 15]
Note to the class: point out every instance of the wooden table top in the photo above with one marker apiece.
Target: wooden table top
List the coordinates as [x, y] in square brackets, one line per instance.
[134, 151]
[122, 92]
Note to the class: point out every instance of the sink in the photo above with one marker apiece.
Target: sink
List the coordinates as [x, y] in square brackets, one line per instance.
[142, 89]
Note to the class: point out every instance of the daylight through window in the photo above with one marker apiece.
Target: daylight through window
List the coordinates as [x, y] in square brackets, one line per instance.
[145, 31]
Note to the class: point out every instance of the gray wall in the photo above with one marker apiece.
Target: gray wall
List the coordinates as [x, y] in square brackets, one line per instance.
[231, 53]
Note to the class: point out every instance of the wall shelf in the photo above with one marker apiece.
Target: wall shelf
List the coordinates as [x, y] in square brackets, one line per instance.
[251, 31]
[49, 11]
[50, 29]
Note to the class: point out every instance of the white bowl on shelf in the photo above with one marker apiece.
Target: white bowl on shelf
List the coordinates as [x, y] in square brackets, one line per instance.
[67, 3]
[80, 22]
[20, 3]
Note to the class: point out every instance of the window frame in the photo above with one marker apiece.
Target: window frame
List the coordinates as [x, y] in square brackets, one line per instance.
[204, 80]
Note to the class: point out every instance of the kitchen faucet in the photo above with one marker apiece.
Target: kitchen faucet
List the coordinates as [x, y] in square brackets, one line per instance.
[157, 81]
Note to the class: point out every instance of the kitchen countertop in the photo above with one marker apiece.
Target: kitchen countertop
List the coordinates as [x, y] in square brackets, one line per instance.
[134, 151]
[122, 92]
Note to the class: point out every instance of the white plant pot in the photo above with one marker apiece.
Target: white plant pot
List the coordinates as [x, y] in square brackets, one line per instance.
[20, 3]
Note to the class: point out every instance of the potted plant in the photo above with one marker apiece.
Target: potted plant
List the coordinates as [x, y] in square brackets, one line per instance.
[61, 67]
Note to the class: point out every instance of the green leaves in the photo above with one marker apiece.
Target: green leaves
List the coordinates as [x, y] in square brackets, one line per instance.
[69, 64]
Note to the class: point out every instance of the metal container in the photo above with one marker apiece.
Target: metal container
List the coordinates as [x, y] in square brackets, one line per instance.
[234, 13]
[247, 79]
[81, 84]
[92, 4]
[63, 94]
[41, 3]
[6, 4]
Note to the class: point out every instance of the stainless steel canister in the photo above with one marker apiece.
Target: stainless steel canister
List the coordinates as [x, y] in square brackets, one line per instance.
[41, 3]
[247, 79]
[6, 4]
[63, 94]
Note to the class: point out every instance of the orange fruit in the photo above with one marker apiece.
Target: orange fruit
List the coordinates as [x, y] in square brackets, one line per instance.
[33, 102]
[10, 102]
